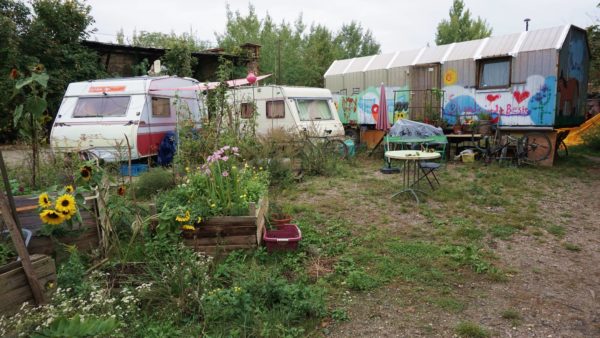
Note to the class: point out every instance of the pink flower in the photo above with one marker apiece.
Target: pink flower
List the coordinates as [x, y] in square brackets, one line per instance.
[235, 149]
[225, 158]
[225, 173]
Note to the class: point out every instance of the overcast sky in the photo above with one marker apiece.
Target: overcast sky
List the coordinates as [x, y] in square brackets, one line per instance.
[397, 25]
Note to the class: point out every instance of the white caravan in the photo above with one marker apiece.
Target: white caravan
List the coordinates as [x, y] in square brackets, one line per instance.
[293, 109]
[96, 116]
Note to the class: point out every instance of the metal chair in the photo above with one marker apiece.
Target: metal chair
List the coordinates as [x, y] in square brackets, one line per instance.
[429, 168]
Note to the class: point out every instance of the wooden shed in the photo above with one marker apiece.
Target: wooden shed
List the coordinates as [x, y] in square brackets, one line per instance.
[532, 79]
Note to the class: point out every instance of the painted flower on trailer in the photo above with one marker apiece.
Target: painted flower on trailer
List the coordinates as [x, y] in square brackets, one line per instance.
[66, 202]
[52, 217]
[184, 218]
[44, 201]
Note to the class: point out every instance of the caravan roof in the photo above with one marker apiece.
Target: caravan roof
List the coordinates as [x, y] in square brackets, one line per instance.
[163, 85]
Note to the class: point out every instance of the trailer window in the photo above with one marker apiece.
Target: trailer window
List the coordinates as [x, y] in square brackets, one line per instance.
[275, 109]
[101, 106]
[161, 107]
[312, 109]
[247, 110]
[494, 73]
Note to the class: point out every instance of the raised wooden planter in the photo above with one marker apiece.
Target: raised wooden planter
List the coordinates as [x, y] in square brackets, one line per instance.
[227, 233]
[85, 238]
[14, 288]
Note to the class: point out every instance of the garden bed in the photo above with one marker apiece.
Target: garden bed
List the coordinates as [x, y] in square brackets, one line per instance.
[227, 233]
[84, 236]
[14, 288]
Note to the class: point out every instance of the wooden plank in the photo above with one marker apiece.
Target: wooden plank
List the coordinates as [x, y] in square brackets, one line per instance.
[11, 301]
[19, 244]
[16, 264]
[231, 220]
[261, 214]
[16, 278]
[214, 249]
[224, 231]
[229, 240]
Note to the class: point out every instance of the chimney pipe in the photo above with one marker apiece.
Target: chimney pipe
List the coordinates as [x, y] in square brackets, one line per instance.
[527, 24]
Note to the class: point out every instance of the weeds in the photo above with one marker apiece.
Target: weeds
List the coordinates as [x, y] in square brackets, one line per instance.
[471, 330]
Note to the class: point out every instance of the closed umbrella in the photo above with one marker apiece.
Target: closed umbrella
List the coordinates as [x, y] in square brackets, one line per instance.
[382, 117]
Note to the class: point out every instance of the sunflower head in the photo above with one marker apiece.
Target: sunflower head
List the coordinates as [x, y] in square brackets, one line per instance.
[66, 202]
[184, 218]
[52, 217]
[67, 214]
[69, 189]
[86, 172]
[44, 201]
[188, 227]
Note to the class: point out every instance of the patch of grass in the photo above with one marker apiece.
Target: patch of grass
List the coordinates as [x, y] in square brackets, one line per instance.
[511, 314]
[340, 315]
[556, 230]
[571, 247]
[469, 232]
[502, 231]
[471, 330]
[449, 304]
[361, 281]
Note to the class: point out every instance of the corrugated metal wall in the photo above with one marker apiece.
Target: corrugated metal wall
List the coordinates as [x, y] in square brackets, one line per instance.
[539, 62]
[398, 76]
[466, 71]
[335, 83]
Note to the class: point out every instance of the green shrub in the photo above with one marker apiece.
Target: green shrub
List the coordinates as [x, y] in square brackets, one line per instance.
[471, 330]
[361, 281]
[591, 137]
[153, 181]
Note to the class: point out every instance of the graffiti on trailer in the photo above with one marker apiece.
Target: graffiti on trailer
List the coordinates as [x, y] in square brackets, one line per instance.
[363, 107]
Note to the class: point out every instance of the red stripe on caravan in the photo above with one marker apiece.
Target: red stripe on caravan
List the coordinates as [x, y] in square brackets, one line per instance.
[147, 144]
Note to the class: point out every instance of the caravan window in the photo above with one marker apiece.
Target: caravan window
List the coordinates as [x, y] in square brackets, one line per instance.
[161, 107]
[275, 109]
[313, 109]
[101, 106]
[494, 73]
[247, 110]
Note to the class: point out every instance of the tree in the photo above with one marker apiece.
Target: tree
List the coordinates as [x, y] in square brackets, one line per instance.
[352, 42]
[594, 42]
[179, 60]
[460, 26]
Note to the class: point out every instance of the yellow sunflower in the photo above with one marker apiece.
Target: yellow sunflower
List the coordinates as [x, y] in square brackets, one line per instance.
[188, 227]
[86, 172]
[52, 217]
[67, 214]
[69, 189]
[44, 201]
[183, 218]
[66, 202]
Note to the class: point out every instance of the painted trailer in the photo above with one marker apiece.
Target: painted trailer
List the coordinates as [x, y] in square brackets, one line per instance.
[529, 80]
[287, 108]
[96, 116]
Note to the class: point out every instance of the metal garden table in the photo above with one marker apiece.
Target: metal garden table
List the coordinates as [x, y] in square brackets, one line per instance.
[410, 168]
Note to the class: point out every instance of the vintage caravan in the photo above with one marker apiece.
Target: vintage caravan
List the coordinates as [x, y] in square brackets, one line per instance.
[292, 109]
[529, 80]
[97, 116]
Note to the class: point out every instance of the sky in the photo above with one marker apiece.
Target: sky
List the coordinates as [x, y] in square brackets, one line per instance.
[396, 25]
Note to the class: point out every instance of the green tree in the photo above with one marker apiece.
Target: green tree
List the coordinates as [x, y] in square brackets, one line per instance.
[353, 42]
[163, 40]
[460, 26]
[179, 60]
[594, 42]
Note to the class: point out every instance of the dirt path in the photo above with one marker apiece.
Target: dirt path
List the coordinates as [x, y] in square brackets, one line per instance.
[554, 283]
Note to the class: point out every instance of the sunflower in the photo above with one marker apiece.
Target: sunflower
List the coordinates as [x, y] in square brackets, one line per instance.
[86, 172]
[188, 227]
[66, 202]
[52, 217]
[69, 189]
[183, 218]
[121, 190]
[44, 201]
[67, 214]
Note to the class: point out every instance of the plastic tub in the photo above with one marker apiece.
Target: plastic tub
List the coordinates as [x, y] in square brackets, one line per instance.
[468, 157]
[285, 238]
[136, 169]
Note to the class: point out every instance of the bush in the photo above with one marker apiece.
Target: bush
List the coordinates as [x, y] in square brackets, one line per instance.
[153, 181]
[591, 137]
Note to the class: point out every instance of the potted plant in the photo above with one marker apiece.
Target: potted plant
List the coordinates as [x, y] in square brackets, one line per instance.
[485, 124]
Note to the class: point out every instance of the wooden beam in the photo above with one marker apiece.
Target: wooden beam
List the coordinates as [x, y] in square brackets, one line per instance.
[17, 239]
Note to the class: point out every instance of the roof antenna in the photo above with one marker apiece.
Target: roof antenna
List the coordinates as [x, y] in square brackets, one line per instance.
[527, 23]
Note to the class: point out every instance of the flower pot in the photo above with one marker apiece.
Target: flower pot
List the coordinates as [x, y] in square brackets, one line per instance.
[457, 129]
[279, 219]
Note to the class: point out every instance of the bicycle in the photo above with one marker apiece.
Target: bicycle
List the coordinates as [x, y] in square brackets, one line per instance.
[530, 148]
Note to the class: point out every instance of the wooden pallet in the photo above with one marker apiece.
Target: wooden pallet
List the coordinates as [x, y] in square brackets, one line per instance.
[227, 233]
[14, 288]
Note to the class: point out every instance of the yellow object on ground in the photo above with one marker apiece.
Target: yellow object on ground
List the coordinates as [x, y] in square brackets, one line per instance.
[574, 137]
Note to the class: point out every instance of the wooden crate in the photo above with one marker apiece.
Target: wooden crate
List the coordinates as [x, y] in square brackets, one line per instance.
[227, 233]
[85, 238]
[14, 288]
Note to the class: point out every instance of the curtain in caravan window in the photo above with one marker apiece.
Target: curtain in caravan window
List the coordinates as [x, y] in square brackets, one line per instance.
[161, 107]
[313, 110]
[495, 74]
